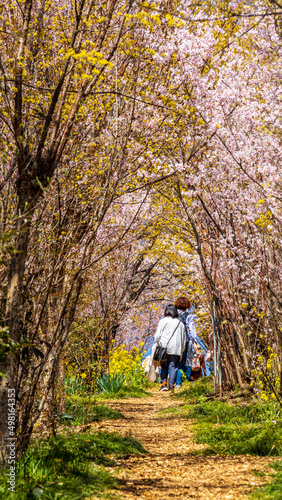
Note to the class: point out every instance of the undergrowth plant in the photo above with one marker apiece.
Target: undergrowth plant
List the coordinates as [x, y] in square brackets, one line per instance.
[110, 383]
[266, 376]
[194, 390]
[249, 427]
[69, 467]
[272, 491]
[237, 429]
[132, 391]
[80, 412]
[128, 364]
[74, 385]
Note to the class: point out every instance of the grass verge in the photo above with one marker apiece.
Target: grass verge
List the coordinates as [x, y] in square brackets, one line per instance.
[193, 390]
[272, 491]
[69, 467]
[249, 427]
[127, 392]
[253, 428]
[80, 410]
[246, 428]
[83, 408]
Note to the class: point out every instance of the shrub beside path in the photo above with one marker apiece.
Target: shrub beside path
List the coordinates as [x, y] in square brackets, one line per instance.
[170, 469]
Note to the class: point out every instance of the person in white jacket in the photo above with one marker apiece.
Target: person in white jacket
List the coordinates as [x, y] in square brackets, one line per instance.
[171, 334]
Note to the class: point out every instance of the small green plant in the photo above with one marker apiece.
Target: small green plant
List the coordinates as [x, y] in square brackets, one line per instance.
[110, 384]
[74, 385]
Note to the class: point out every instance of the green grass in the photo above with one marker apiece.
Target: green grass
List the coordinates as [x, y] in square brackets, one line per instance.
[242, 428]
[69, 467]
[218, 412]
[126, 392]
[193, 390]
[248, 428]
[72, 466]
[232, 439]
[81, 411]
[272, 491]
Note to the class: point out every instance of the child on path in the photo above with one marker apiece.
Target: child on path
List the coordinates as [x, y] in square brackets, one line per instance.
[196, 374]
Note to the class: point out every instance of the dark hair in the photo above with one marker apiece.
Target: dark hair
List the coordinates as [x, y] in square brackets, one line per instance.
[171, 311]
[182, 303]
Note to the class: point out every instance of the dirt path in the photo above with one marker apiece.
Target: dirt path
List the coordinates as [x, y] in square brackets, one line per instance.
[170, 469]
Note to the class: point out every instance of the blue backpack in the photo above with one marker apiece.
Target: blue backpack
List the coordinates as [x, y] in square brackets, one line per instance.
[182, 317]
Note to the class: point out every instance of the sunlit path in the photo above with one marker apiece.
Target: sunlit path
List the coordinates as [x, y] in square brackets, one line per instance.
[140, 188]
[170, 468]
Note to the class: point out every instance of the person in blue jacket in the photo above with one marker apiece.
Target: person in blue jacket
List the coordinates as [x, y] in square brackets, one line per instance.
[183, 306]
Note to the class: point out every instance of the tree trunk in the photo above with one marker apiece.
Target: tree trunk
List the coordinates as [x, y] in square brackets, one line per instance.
[14, 318]
[61, 383]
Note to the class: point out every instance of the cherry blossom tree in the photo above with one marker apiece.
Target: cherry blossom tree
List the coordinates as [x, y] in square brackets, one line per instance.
[141, 147]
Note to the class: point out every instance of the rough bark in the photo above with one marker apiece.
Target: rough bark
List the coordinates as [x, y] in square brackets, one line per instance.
[15, 302]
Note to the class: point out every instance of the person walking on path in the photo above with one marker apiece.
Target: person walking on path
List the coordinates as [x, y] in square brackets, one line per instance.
[196, 374]
[183, 306]
[171, 333]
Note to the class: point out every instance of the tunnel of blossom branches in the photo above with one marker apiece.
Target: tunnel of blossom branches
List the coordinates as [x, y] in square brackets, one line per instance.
[140, 160]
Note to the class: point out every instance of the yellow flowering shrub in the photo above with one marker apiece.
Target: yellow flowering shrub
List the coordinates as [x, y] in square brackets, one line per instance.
[128, 363]
[263, 396]
[266, 375]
